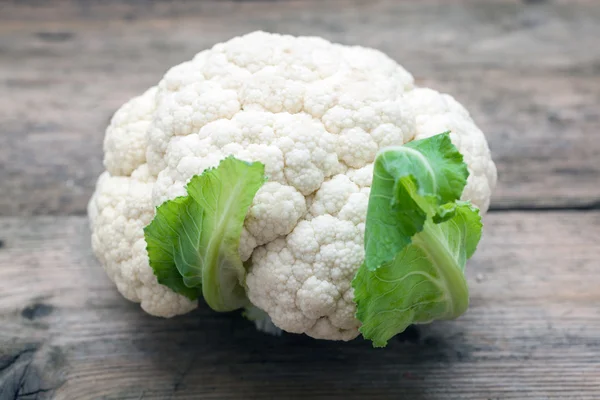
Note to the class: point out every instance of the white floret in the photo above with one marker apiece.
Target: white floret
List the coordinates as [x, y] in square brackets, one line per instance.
[124, 143]
[119, 210]
[275, 211]
[315, 114]
[333, 195]
[311, 272]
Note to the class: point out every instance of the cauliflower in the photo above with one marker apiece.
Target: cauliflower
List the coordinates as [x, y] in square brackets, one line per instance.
[314, 116]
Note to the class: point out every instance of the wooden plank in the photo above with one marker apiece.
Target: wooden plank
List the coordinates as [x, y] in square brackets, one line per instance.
[532, 330]
[528, 71]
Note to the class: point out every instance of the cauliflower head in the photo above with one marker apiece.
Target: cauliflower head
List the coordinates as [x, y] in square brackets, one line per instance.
[315, 114]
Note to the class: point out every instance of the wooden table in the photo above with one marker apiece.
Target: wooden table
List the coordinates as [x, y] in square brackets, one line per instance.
[528, 71]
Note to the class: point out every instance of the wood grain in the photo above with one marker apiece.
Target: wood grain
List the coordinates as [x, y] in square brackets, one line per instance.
[532, 330]
[528, 72]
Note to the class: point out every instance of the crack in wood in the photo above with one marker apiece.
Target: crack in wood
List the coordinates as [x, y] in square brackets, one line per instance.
[7, 362]
[34, 393]
[21, 378]
[535, 208]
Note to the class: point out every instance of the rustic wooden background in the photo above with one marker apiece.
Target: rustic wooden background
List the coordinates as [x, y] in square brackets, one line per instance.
[529, 72]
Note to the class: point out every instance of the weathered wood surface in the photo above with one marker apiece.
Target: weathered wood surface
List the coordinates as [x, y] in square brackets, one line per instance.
[532, 330]
[528, 72]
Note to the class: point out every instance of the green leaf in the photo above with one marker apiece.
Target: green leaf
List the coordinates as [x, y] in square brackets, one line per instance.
[162, 240]
[418, 236]
[193, 241]
[409, 182]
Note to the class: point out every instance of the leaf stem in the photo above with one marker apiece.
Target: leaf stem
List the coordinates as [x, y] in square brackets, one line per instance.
[449, 271]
